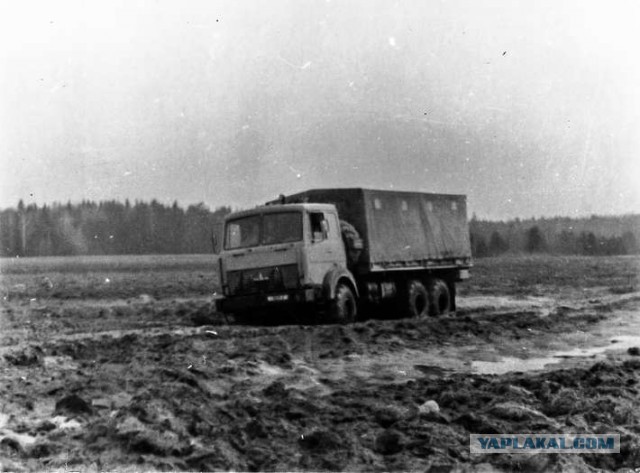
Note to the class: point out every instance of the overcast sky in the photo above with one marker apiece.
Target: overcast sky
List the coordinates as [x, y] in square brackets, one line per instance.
[530, 108]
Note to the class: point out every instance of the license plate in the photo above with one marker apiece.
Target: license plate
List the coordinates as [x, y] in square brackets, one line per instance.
[283, 297]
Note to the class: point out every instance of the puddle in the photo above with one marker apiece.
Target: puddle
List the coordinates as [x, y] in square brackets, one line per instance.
[497, 304]
[389, 368]
[302, 377]
[60, 362]
[509, 363]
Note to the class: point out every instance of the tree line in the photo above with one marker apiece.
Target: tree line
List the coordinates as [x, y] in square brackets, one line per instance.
[111, 227]
[589, 236]
[107, 228]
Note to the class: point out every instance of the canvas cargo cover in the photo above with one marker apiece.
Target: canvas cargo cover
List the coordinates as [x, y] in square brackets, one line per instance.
[401, 229]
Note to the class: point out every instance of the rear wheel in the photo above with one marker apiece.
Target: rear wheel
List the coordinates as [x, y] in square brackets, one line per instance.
[439, 297]
[344, 308]
[417, 301]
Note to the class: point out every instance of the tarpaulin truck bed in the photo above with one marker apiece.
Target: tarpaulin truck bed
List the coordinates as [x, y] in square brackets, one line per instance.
[401, 229]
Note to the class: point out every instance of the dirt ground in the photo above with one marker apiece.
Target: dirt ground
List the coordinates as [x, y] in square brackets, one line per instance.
[121, 365]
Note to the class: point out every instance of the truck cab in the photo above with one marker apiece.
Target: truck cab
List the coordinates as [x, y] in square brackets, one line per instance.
[282, 255]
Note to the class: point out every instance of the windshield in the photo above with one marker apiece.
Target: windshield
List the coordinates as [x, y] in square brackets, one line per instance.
[282, 228]
[242, 232]
[267, 229]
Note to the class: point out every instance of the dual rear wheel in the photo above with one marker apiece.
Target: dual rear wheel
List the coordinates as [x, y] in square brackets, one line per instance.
[433, 299]
[419, 300]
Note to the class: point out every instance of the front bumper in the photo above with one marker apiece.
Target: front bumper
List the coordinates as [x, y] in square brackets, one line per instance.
[265, 301]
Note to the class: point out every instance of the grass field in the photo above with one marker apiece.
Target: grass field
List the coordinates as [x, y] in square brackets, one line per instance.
[83, 277]
[196, 275]
[545, 274]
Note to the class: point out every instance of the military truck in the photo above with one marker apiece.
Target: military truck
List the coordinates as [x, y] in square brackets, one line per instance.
[342, 252]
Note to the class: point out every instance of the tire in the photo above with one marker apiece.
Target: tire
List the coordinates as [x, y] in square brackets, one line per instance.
[344, 308]
[417, 299]
[439, 297]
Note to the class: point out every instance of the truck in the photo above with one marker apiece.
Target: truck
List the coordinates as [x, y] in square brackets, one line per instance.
[343, 252]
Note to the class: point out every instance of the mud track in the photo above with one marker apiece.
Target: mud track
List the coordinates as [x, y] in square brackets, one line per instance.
[153, 383]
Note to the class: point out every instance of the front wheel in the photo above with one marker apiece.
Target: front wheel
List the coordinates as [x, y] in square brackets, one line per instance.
[344, 308]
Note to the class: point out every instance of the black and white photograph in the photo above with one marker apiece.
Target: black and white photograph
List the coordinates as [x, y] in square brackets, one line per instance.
[320, 235]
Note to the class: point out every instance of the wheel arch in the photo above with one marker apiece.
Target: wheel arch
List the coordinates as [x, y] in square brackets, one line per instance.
[333, 277]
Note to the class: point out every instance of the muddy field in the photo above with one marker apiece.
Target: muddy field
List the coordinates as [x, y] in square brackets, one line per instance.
[120, 364]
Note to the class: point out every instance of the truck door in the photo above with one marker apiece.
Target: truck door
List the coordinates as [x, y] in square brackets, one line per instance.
[325, 249]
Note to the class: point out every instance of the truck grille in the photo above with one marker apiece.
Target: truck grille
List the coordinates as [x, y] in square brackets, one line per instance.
[269, 279]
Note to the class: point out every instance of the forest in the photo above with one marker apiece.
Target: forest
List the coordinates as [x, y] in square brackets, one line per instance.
[107, 228]
[594, 235]
[116, 228]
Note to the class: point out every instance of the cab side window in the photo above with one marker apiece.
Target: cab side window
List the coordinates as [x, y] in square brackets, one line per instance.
[319, 226]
